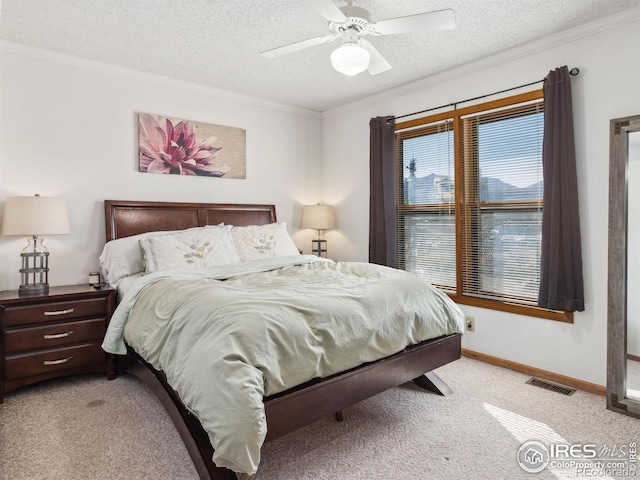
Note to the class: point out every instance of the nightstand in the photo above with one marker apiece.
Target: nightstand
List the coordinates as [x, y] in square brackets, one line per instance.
[52, 335]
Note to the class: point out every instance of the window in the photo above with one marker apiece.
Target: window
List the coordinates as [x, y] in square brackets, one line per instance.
[470, 195]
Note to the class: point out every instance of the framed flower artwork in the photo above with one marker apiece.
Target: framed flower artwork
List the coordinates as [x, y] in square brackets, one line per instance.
[183, 147]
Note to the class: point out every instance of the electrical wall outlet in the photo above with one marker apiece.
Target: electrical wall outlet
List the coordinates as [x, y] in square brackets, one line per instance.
[470, 323]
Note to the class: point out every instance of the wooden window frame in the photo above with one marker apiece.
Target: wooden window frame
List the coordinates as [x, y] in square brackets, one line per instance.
[456, 117]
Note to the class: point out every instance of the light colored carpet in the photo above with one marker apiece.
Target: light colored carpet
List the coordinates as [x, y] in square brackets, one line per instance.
[86, 427]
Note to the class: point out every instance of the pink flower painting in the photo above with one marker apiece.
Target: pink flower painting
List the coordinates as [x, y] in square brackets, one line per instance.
[182, 147]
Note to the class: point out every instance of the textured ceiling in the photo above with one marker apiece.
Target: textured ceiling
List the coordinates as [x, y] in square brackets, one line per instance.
[218, 43]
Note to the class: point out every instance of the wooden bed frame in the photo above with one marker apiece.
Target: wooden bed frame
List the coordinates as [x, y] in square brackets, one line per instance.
[294, 408]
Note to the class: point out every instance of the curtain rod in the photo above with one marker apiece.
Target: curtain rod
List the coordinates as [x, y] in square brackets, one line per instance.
[573, 72]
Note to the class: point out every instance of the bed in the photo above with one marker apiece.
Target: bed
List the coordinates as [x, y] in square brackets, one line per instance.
[297, 405]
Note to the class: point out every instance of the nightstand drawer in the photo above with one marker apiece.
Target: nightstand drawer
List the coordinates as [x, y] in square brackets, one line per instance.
[50, 336]
[53, 334]
[55, 311]
[18, 366]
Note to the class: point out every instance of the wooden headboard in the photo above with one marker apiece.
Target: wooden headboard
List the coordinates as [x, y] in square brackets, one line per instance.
[124, 218]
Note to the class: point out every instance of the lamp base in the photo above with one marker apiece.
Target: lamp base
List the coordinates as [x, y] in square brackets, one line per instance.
[35, 289]
[319, 247]
[35, 268]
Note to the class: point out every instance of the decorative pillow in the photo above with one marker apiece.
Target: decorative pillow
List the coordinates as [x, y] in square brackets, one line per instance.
[189, 249]
[261, 241]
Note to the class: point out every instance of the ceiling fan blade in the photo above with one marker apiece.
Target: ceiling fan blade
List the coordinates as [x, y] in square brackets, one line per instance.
[294, 47]
[377, 63]
[327, 9]
[422, 22]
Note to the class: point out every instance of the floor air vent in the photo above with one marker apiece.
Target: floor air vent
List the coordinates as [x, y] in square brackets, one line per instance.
[551, 386]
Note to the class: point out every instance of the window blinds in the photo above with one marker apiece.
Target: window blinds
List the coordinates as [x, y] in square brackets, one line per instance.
[501, 211]
[426, 233]
[470, 202]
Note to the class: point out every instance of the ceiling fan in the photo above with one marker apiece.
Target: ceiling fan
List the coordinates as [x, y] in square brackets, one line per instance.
[351, 23]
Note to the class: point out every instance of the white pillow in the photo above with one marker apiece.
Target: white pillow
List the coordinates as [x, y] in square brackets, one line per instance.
[122, 257]
[189, 249]
[261, 241]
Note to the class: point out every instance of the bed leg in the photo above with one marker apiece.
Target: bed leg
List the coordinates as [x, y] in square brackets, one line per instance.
[111, 366]
[432, 382]
[338, 416]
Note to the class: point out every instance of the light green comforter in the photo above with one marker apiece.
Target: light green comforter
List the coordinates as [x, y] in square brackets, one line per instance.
[229, 336]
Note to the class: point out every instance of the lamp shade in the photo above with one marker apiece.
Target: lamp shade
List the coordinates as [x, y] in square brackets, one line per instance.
[350, 59]
[318, 217]
[35, 216]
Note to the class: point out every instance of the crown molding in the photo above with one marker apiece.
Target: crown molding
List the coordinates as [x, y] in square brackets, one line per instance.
[524, 50]
[109, 69]
[589, 29]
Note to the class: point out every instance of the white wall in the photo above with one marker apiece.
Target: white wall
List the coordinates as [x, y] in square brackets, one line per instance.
[69, 129]
[607, 87]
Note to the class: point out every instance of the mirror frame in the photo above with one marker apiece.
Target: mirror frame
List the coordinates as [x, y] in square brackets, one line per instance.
[617, 399]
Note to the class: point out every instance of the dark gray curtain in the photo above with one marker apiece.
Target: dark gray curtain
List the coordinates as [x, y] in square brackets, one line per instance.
[382, 203]
[561, 286]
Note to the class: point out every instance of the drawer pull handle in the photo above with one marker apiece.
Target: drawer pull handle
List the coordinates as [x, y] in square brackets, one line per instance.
[58, 362]
[60, 312]
[53, 336]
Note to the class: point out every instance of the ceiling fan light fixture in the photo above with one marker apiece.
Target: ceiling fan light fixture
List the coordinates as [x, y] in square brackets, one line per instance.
[350, 23]
[350, 59]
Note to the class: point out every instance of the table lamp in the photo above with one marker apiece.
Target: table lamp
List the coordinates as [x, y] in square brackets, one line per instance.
[320, 218]
[35, 216]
